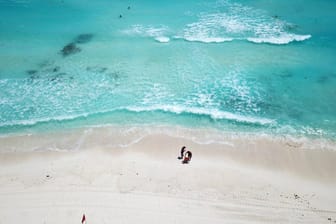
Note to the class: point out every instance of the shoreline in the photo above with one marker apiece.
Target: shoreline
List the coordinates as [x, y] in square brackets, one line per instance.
[199, 135]
[239, 180]
[313, 158]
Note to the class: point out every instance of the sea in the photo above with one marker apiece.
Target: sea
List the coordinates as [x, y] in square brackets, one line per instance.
[235, 66]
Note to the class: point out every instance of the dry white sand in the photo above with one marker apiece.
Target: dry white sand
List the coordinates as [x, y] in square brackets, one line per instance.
[241, 181]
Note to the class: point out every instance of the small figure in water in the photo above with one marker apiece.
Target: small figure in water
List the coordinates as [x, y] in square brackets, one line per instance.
[129, 7]
[182, 152]
[120, 16]
[187, 157]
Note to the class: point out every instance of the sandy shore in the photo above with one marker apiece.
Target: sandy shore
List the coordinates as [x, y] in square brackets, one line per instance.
[239, 180]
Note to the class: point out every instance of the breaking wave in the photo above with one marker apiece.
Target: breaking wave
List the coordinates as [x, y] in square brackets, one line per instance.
[233, 22]
[214, 114]
[240, 23]
[284, 39]
[162, 39]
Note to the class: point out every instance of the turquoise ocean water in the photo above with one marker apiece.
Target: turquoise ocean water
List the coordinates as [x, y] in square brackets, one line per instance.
[234, 65]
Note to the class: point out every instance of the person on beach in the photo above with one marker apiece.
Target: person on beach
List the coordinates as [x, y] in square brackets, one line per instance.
[187, 157]
[182, 153]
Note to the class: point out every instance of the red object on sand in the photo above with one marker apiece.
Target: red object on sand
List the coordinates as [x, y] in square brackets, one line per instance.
[83, 219]
[186, 160]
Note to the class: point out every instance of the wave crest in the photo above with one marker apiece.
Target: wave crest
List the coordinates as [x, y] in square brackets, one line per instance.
[162, 39]
[284, 39]
[212, 113]
[208, 39]
[233, 21]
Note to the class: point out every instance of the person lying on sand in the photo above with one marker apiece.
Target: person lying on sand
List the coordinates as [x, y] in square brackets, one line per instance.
[182, 153]
[187, 157]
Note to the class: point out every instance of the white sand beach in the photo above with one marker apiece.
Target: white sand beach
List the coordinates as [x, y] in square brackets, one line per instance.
[241, 180]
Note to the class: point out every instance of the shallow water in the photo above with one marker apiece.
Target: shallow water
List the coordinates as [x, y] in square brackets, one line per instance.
[242, 66]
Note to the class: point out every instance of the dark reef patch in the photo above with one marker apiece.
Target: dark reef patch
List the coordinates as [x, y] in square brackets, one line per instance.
[83, 38]
[50, 75]
[323, 79]
[31, 72]
[96, 69]
[34, 76]
[70, 49]
[45, 63]
[291, 27]
[114, 75]
[56, 77]
[51, 69]
[60, 77]
[285, 74]
[56, 69]
[294, 113]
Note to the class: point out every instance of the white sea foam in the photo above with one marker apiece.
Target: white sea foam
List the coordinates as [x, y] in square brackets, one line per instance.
[208, 39]
[213, 113]
[147, 31]
[157, 32]
[162, 39]
[42, 120]
[213, 27]
[238, 22]
[283, 39]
